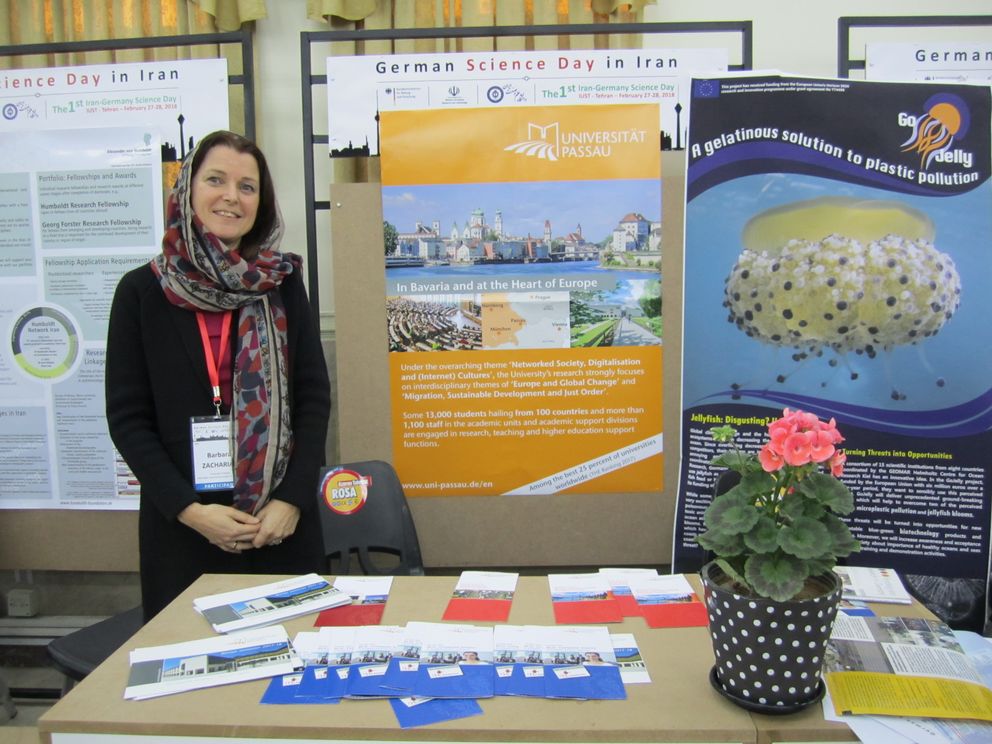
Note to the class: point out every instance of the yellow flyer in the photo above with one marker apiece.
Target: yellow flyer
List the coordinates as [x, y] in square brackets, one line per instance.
[904, 666]
[522, 256]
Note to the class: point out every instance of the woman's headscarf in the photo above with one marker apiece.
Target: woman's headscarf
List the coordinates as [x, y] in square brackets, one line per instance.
[197, 272]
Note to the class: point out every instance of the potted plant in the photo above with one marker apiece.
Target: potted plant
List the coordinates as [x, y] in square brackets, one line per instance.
[770, 590]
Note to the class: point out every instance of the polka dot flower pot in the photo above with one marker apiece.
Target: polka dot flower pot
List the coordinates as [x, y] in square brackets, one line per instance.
[769, 654]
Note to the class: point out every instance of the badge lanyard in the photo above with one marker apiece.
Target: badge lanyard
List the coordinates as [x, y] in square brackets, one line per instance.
[211, 436]
[213, 367]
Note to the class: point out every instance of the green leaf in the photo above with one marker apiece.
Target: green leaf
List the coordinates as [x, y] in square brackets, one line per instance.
[733, 571]
[817, 566]
[794, 507]
[732, 460]
[721, 543]
[725, 433]
[828, 491]
[757, 483]
[805, 538]
[731, 513]
[763, 537]
[797, 505]
[775, 575]
[842, 541]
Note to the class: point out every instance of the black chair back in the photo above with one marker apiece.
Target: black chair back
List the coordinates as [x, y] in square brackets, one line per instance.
[363, 510]
[78, 653]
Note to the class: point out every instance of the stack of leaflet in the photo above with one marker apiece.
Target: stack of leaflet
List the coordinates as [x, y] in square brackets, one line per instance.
[368, 601]
[326, 654]
[568, 662]
[615, 593]
[218, 660]
[865, 584]
[269, 603]
[454, 662]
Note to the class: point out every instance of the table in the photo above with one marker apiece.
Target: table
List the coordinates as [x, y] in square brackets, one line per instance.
[678, 706]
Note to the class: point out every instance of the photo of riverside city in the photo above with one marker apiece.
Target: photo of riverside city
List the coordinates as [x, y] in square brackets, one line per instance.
[523, 265]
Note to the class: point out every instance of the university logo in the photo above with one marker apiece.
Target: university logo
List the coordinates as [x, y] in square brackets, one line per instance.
[542, 142]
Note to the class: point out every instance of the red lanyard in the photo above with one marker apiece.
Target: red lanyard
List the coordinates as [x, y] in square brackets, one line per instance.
[213, 368]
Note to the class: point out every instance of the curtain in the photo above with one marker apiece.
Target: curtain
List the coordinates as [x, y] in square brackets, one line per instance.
[357, 10]
[231, 14]
[53, 21]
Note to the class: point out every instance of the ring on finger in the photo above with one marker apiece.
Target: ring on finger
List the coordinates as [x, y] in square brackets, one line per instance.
[277, 542]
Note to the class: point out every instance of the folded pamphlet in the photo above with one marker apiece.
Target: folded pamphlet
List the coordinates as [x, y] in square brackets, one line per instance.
[269, 603]
[209, 662]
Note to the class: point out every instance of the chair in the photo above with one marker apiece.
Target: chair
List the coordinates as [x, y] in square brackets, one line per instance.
[380, 530]
[724, 482]
[727, 480]
[78, 653]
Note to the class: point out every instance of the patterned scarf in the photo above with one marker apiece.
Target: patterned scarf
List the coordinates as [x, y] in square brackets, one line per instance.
[197, 272]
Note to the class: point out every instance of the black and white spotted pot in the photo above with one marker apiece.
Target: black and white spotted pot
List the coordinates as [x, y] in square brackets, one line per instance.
[769, 655]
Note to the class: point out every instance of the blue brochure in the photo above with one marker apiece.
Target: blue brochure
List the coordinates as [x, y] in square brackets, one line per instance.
[445, 680]
[366, 681]
[419, 712]
[401, 674]
[282, 690]
[328, 682]
[520, 680]
[441, 660]
[374, 646]
[584, 682]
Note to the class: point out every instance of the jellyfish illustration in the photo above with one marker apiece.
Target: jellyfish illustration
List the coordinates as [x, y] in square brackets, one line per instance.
[934, 132]
[881, 283]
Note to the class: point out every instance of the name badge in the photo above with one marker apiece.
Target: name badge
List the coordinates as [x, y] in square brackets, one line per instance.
[213, 463]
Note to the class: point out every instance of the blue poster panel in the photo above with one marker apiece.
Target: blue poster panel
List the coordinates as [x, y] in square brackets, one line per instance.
[837, 261]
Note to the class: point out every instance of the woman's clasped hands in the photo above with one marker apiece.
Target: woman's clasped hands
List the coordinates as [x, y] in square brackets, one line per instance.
[235, 531]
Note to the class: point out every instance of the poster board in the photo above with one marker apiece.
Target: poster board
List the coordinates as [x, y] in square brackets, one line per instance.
[585, 529]
[98, 540]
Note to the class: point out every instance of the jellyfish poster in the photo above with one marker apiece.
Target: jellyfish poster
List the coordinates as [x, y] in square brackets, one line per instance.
[837, 260]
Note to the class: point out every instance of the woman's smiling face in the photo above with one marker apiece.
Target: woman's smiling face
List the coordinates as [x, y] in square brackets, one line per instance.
[226, 193]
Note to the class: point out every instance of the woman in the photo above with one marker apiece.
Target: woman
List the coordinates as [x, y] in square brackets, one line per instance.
[216, 386]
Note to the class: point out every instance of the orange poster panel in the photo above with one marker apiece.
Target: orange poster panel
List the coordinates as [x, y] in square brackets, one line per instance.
[478, 423]
[564, 143]
[523, 299]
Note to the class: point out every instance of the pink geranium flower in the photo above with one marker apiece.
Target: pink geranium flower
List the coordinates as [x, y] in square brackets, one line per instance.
[836, 463]
[770, 459]
[821, 445]
[797, 449]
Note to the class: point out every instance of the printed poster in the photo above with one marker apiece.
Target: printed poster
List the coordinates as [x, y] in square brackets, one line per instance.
[522, 254]
[180, 100]
[837, 261]
[72, 221]
[361, 88]
[87, 150]
[949, 62]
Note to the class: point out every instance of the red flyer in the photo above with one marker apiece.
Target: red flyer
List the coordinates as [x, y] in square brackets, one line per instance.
[482, 595]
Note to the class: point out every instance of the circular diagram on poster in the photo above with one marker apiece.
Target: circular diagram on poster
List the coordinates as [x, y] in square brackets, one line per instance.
[45, 342]
[345, 491]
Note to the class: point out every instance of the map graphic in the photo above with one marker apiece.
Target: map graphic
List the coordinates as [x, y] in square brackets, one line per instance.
[525, 320]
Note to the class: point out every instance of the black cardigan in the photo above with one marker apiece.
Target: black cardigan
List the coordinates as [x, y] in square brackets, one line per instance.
[156, 379]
